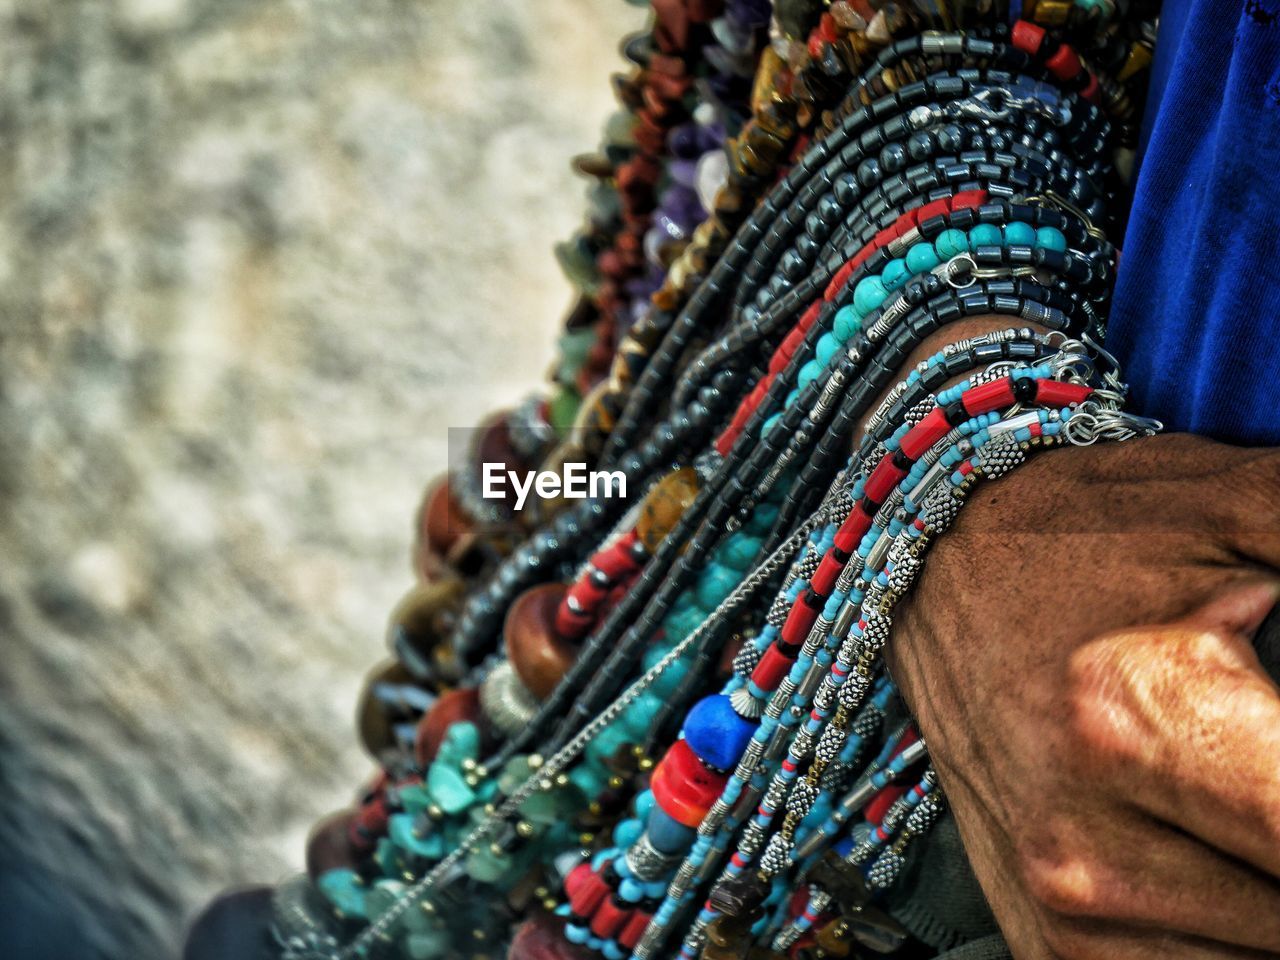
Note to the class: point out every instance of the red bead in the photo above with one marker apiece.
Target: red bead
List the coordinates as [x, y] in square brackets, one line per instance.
[634, 928]
[578, 876]
[852, 531]
[449, 708]
[925, 434]
[1028, 37]
[329, 846]
[988, 396]
[773, 666]
[798, 622]
[930, 210]
[1064, 64]
[881, 803]
[1091, 92]
[609, 919]
[589, 895]
[839, 280]
[683, 786]
[883, 479]
[1055, 393]
[968, 198]
[824, 578]
[541, 937]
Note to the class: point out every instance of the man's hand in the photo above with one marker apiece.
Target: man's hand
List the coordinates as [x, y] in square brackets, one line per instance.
[1078, 657]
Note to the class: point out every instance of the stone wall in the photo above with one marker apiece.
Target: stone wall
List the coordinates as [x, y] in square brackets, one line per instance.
[255, 257]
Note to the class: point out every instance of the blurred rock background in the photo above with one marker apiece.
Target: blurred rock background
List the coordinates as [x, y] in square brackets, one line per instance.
[256, 256]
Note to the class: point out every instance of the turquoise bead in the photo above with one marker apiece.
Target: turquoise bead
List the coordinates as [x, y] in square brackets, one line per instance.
[895, 274]
[461, 742]
[847, 323]
[827, 348]
[762, 519]
[589, 778]
[636, 717]
[1051, 238]
[1020, 233]
[984, 235]
[716, 583]
[448, 788]
[344, 889]
[608, 741]
[770, 424]
[951, 243]
[922, 258]
[740, 551]
[486, 866]
[680, 623]
[792, 397]
[400, 830]
[808, 373]
[429, 946]
[869, 294]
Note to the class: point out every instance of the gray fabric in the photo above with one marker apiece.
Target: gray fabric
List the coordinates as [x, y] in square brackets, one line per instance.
[988, 948]
[938, 898]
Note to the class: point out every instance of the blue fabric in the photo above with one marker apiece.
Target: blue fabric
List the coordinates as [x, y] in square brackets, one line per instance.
[1197, 307]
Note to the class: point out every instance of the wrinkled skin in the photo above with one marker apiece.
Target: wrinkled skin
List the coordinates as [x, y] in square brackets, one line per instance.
[1078, 656]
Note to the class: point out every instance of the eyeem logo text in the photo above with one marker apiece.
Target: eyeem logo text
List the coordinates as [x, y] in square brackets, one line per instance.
[577, 483]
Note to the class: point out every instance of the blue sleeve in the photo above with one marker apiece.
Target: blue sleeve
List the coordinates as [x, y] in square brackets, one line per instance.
[1196, 316]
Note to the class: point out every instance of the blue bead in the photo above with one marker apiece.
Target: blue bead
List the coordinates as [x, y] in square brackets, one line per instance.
[846, 324]
[984, 235]
[951, 243]
[828, 347]
[922, 258]
[1020, 233]
[808, 373]
[667, 834]
[1051, 238]
[895, 274]
[869, 294]
[631, 890]
[716, 733]
[576, 934]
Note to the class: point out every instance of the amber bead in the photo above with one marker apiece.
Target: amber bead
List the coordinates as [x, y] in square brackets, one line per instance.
[329, 844]
[665, 504]
[539, 656]
[450, 708]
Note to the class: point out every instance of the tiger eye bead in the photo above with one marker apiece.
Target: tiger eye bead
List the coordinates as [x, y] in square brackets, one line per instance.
[665, 504]
[538, 654]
